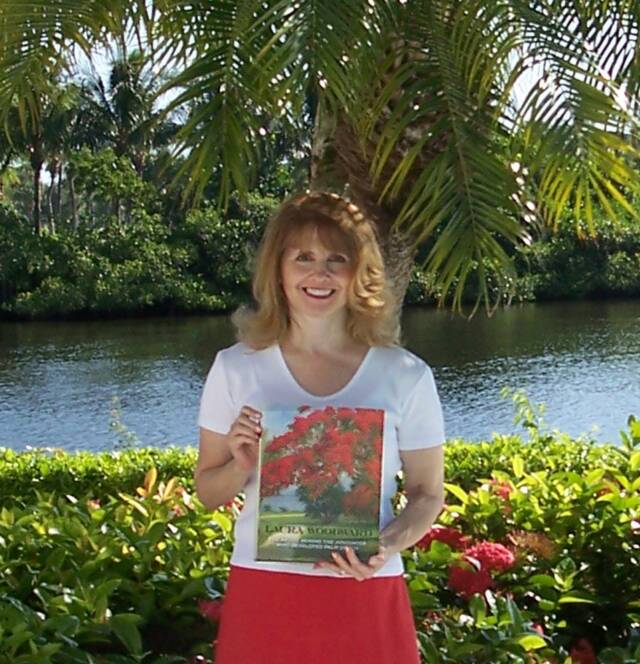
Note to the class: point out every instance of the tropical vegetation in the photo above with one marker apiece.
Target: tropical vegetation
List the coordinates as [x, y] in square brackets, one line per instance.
[471, 125]
[110, 558]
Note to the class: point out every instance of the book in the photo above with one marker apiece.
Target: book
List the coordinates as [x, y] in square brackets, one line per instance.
[319, 479]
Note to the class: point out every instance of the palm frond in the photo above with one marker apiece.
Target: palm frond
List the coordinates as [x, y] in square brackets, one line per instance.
[262, 59]
[577, 121]
[462, 196]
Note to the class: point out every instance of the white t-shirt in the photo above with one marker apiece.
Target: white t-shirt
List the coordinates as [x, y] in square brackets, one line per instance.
[390, 378]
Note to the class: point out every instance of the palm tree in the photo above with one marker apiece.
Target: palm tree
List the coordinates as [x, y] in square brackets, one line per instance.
[39, 133]
[413, 109]
[124, 108]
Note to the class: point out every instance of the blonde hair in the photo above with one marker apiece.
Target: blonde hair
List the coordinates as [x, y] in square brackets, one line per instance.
[371, 317]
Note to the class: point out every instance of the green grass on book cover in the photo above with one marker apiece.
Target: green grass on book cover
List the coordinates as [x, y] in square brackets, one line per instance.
[319, 483]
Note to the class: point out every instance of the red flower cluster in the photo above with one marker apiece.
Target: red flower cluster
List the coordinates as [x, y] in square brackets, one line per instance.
[473, 574]
[491, 556]
[450, 536]
[583, 653]
[360, 500]
[467, 581]
[210, 609]
[320, 445]
[500, 488]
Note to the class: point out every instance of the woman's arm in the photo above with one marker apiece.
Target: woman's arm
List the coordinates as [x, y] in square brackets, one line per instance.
[424, 487]
[218, 477]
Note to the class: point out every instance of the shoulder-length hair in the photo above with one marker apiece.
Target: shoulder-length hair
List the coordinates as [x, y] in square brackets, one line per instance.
[372, 318]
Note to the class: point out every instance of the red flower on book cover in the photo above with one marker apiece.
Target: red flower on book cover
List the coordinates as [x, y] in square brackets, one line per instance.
[319, 451]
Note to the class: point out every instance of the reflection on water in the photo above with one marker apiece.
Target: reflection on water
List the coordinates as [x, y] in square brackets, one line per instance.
[57, 379]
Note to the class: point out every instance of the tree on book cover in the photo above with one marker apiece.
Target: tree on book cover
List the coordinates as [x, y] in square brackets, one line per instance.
[319, 483]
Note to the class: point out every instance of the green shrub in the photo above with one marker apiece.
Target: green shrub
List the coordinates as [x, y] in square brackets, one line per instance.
[114, 579]
[533, 557]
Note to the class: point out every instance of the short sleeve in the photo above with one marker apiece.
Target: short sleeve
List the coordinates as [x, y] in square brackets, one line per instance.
[421, 421]
[217, 411]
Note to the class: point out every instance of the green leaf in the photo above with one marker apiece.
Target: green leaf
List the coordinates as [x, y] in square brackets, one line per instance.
[573, 598]
[125, 627]
[67, 625]
[594, 476]
[458, 492]
[134, 503]
[477, 608]
[543, 580]
[518, 466]
[223, 521]
[531, 642]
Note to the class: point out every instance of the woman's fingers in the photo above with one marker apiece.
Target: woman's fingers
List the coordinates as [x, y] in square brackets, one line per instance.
[350, 565]
[245, 435]
[249, 428]
[251, 413]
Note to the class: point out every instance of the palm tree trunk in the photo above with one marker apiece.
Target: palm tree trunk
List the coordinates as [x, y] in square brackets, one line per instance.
[59, 192]
[338, 155]
[37, 222]
[74, 205]
[36, 159]
[50, 219]
[337, 164]
[3, 168]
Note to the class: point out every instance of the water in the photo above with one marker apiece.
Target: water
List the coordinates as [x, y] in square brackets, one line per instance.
[58, 379]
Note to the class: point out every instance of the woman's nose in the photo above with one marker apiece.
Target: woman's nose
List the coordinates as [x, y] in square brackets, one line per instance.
[324, 267]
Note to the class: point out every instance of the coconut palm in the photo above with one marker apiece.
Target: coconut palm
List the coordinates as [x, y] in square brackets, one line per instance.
[124, 108]
[414, 109]
[41, 134]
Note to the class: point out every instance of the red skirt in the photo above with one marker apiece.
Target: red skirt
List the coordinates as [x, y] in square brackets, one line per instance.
[285, 618]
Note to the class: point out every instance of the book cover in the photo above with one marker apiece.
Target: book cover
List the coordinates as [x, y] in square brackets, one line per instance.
[319, 483]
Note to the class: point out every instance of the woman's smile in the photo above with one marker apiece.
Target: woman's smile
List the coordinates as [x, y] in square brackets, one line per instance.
[319, 293]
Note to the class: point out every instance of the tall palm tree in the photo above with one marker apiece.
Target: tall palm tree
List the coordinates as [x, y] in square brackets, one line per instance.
[39, 134]
[125, 108]
[414, 111]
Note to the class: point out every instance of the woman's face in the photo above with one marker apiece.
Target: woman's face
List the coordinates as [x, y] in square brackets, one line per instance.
[315, 279]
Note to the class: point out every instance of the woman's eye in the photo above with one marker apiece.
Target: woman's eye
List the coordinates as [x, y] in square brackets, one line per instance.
[337, 258]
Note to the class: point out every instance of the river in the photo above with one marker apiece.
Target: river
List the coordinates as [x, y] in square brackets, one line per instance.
[58, 380]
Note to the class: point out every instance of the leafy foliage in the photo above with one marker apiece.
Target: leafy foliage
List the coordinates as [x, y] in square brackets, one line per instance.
[427, 88]
[104, 555]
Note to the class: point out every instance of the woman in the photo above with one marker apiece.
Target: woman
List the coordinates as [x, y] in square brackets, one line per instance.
[324, 333]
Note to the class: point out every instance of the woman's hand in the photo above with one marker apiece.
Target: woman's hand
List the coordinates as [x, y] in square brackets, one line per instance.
[244, 436]
[349, 564]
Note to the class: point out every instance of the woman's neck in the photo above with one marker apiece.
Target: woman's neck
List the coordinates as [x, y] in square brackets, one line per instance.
[317, 339]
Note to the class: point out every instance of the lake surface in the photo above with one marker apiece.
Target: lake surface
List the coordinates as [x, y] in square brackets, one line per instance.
[58, 379]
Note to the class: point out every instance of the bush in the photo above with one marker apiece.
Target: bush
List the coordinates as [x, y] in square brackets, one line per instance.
[532, 559]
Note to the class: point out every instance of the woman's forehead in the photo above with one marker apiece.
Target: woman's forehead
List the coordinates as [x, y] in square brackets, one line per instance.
[311, 235]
